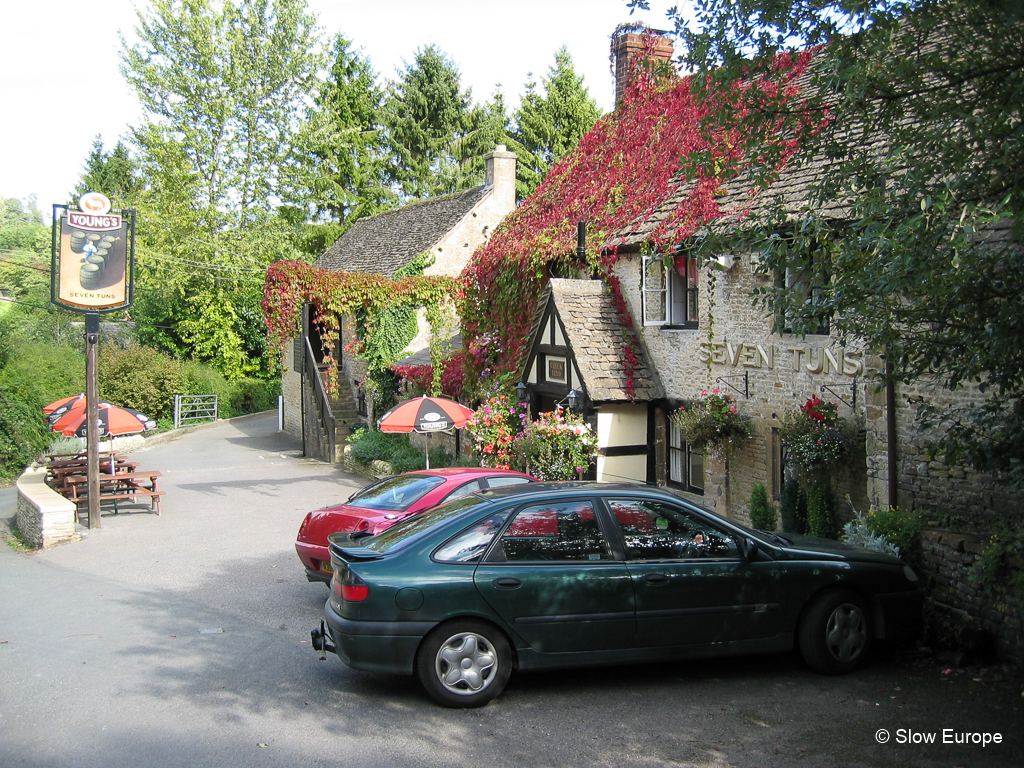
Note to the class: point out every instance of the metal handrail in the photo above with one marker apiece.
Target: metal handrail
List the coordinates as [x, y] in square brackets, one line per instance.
[321, 399]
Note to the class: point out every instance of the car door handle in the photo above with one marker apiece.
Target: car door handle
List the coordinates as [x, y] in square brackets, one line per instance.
[506, 582]
[656, 578]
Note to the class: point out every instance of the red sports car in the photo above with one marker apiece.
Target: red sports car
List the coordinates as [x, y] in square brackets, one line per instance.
[384, 503]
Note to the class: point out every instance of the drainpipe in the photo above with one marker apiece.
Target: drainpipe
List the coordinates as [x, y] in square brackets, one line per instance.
[581, 242]
[890, 432]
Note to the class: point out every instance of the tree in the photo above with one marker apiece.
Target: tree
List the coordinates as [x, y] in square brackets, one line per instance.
[226, 82]
[224, 87]
[112, 173]
[486, 126]
[427, 114]
[913, 222]
[339, 170]
[550, 124]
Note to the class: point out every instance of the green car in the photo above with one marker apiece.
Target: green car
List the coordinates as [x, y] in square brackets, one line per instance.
[550, 575]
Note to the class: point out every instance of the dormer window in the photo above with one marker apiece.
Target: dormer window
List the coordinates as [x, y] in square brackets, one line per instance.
[670, 292]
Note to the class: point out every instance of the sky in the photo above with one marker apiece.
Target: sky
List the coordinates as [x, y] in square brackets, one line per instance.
[61, 87]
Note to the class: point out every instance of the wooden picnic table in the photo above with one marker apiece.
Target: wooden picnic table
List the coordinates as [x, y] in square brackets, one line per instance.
[58, 471]
[119, 486]
[80, 455]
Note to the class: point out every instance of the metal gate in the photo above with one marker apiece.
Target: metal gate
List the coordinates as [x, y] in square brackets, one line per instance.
[190, 408]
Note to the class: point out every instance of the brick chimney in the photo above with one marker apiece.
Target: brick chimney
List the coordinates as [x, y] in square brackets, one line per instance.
[631, 48]
[500, 172]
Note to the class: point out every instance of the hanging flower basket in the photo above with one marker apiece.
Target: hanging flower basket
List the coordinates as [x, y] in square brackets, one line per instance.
[713, 423]
[815, 437]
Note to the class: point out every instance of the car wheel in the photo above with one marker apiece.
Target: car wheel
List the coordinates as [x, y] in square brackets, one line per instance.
[464, 663]
[835, 634]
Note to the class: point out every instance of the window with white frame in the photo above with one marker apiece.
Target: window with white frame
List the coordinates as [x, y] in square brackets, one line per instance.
[685, 465]
[670, 292]
[806, 284]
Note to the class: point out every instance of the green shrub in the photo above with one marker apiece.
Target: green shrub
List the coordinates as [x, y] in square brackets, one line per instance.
[793, 507]
[857, 533]
[821, 510]
[762, 511]
[201, 379]
[141, 378]
[37, 374]
[23, 434]
[900, 527]
[407, 458]
[372, 445]
[253, 396]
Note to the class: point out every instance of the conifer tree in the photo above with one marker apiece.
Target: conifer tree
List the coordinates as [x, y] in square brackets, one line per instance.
[427, 114]
[550, 122]
[339, 172]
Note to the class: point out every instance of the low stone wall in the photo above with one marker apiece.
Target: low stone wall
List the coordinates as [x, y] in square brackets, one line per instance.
[979, 618]
[44, 516]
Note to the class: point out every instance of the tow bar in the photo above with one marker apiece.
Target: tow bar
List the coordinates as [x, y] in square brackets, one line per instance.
[321, 641]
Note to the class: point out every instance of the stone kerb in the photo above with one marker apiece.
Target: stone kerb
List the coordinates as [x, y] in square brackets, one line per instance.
[44, 516]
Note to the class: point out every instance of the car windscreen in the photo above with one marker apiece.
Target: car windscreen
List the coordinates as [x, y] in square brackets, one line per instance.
[407, 531]
[395, 494]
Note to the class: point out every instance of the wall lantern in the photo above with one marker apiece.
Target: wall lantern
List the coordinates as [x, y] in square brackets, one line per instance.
[726, 261]
[574, 400]
[522, 395]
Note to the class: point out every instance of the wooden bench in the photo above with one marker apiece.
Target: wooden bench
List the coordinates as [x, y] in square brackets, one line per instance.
[123, 486]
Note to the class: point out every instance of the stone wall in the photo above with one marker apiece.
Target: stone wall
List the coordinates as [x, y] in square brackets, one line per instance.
[44, 516]
[735, 349]
[965, 612]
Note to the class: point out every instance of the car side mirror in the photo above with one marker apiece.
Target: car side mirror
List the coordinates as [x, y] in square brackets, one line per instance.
[748, 548]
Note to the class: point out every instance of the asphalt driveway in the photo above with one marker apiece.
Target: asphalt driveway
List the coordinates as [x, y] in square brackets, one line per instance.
[183, 640]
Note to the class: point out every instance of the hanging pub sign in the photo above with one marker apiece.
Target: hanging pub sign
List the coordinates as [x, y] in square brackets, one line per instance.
[93, 256]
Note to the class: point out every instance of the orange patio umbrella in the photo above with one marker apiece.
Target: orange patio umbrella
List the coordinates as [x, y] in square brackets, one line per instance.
[113, 420]
[425, 414]
[58, 404]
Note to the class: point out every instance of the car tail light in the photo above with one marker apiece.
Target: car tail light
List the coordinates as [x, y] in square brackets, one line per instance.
[303, 527]
[350, 587]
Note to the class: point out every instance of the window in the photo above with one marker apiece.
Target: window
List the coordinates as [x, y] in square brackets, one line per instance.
[805, 283]
[542, 532]
[670, 295]
[685, 465]
[462, 490]
[470, 545]
[501, 480]
[395, 494]
[653, 530]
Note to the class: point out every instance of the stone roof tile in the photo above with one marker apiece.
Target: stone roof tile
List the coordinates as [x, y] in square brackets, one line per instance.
[385, 243]
[596, 337]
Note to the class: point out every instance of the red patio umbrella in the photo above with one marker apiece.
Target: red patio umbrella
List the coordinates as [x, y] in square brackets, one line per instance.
[113, 420]
[48, 409]
[425, 414]
[68, 412]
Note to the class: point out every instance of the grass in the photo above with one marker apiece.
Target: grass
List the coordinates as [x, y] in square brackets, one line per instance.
[14, 540]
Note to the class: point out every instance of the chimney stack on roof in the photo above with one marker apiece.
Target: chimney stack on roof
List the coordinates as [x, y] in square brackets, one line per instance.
[632, 48]
[500, 172]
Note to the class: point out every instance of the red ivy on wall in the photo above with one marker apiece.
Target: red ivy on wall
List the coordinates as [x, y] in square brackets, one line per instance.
[290, 284]
[651, 160]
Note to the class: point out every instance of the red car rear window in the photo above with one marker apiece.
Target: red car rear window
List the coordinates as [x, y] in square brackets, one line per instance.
[395, 494]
